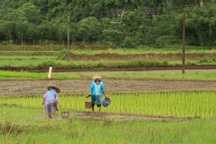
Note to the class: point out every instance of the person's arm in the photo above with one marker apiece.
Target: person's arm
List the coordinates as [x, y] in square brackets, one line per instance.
[57, 100]
[103, 90]
[44, 96]
[105, 95]
[91, 90]
[43, 101]
[59, 104]
[88, 95]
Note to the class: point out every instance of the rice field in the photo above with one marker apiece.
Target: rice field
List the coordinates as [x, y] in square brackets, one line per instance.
[23, 120]
[167, 104]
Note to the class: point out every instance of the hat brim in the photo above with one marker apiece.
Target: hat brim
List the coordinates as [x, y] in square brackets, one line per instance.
[96, 77]
[57, 89]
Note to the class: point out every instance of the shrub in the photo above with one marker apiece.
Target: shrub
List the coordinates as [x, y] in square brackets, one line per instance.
[164, 40]
[62, 54]
[128, 43]
[204, 60]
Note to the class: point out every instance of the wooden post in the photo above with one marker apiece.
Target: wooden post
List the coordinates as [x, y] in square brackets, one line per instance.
[183, 45]
[50, 73]
[68, 39]
[21, 73]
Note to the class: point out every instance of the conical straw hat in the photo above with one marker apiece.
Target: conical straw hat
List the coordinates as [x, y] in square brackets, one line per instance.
[96, 77]
[57, 89]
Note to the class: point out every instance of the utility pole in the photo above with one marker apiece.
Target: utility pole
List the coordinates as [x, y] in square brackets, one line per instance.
[68, 39]
[183, 45]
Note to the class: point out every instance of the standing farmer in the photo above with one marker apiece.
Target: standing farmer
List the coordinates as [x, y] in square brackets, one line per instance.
[50, 100]
[96, 90]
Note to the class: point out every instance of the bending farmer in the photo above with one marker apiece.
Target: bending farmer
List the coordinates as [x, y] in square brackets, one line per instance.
[96, 90]
[50, 100]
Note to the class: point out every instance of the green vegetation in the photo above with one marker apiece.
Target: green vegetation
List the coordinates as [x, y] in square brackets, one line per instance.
[77, 131]
[27, 57]
[192, 76]
[167, 104]
[15, 75]
[62, 64]
[23, 120]
[147, 50]
[195, 75]
[139, 23]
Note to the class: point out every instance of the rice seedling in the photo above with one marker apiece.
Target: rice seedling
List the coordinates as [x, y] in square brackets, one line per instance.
[166, 104]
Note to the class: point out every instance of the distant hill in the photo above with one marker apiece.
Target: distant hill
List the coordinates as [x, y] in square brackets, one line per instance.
[122, 23]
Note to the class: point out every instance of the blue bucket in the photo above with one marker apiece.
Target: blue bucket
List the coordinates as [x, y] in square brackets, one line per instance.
[106, 102]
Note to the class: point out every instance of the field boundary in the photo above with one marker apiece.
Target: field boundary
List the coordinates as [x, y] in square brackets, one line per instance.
[124, 69]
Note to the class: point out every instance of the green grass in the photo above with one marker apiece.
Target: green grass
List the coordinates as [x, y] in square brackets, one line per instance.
[194, 76]
[43, 64]
[142, 51]
[15, 75]
[28, 57]
[122, 51]
[29, 51]
[108, 131]
[27, 124]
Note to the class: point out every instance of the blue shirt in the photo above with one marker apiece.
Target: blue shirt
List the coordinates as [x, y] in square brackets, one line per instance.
[51, 95]
[97, 89]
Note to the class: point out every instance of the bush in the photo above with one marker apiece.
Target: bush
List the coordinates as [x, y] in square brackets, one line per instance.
[164, 40]
[128, 43]
[62, 54]
[204, 60]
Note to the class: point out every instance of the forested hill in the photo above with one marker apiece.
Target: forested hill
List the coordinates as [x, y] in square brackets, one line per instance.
[139, 22]
[58, 10]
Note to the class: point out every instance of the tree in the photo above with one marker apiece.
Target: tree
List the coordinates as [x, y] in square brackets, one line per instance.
[20, 31]
[89, 29]
[113, 36]
[31, 13]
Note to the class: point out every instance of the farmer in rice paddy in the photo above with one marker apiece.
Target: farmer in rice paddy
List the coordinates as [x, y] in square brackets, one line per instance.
[96, 90]
[50, 100]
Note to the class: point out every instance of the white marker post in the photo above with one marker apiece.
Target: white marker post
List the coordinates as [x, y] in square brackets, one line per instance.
[50, 73]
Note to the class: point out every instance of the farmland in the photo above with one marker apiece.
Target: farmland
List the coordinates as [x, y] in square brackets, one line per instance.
[166, 104]
[157, 61]
[103, 59]
[23, 119]
[147, 106]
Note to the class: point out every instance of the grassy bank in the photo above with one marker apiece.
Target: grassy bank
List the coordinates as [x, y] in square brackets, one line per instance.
[192, 76]
[85, 65]
[108, 131]
[27, 75]
[143, 51]
[89, 51]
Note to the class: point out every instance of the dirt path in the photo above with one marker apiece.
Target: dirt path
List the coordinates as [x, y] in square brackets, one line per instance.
[112, 116]
[119, 117]
[81, 86]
